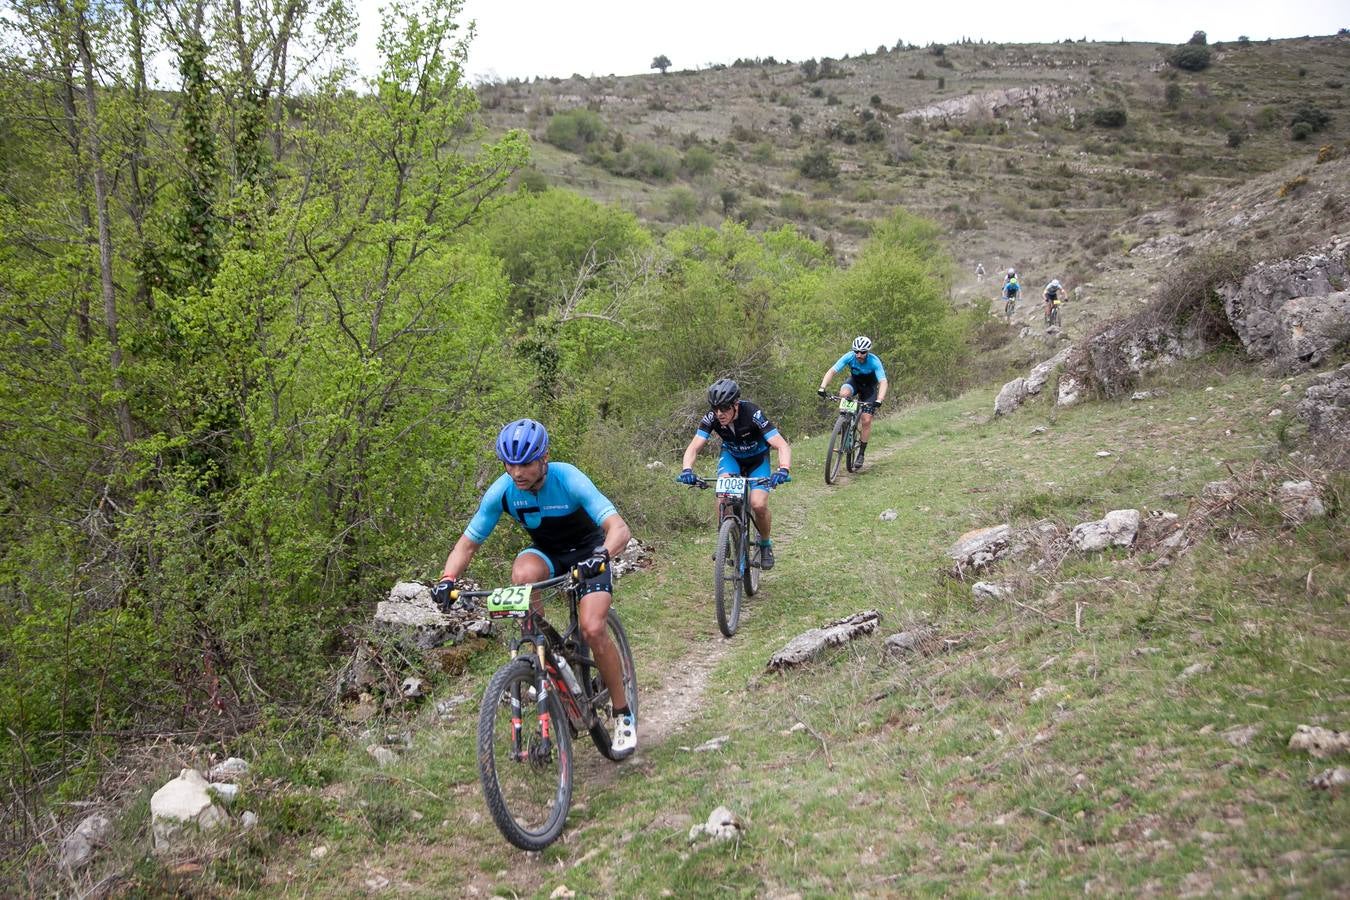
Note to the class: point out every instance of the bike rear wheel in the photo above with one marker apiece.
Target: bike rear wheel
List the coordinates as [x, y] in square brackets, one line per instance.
[727, 576]
[834, 456]
[601, 702]
[526, 770]
[753, 553]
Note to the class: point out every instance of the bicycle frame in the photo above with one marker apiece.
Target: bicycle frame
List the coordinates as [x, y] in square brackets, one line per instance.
[535, 630]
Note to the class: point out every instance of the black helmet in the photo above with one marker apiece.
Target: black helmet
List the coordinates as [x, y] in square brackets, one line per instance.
[723, 392]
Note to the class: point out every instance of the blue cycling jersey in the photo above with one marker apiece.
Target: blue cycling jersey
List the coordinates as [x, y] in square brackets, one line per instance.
[748, 434]
[564, 515]
[870, 367]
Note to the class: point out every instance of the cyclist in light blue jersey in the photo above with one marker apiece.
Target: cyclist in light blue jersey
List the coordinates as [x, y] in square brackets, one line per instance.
[572, 526]
[866, 381]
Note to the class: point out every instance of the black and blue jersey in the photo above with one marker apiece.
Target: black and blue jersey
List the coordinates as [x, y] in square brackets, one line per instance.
[563, 516]
[748, 434]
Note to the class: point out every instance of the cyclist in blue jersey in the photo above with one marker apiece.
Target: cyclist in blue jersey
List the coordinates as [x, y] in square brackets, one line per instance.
[572, 526]
[747, 434]
[866, 381]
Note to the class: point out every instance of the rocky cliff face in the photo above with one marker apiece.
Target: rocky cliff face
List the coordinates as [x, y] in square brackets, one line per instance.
[1293, 312]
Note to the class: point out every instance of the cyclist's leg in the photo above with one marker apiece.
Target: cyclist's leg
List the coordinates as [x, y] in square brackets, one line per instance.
[532, 565]
[866, 395]
[593, 610]
[759, 494]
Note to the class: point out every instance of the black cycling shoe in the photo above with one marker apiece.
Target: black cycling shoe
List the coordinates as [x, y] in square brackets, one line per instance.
[766, 557]
[858, 461]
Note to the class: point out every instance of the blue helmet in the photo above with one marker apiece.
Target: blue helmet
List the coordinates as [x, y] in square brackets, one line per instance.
[522, 441]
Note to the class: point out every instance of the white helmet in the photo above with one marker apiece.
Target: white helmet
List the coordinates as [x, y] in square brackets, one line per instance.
[1012, 273]
[1054, 283]
[862, 344]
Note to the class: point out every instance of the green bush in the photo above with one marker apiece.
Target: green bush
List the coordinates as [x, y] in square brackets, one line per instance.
[1109, 117]
[1191, 57]
[817, 164]
[1172, 95]
[1235, 139]
[1301, 131]
[1198, 39]
[698, 160]
[874, 132]
[1315, 117]
[575, 129]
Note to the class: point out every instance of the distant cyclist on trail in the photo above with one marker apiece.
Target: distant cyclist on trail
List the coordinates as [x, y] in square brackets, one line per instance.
[979, 271]
[747, 434]
[1053, 294]
[866, 381]
[572, 526]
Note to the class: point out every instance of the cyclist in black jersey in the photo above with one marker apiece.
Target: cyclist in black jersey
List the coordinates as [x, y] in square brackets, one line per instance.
[747, 434]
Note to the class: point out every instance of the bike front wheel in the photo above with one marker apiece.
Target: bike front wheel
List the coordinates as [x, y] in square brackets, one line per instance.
[851, 455]
[727, 576]
[601, 702]
[524, 757]
[834, 456]
[752, 556]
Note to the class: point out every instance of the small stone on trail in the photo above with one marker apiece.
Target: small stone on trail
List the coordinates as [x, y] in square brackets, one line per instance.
[1275, 413]
[1241, 735]
[800, 726]
[989, 590]
[889, 515]
[77, 848]
[1039, 429]
[1330, 779]
[382, 755]
[716, 743]
[1141, 395]
[248, 820]
[1320, 742]
[1102, 454]
[318, 852]
[722, 825]
[1194, 669]
[905, 642]
[376, 883]
[228, 770]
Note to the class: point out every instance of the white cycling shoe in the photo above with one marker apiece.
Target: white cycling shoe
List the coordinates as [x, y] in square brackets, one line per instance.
[624, 741]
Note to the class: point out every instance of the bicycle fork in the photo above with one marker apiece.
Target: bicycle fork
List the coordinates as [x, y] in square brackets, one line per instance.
[520, 749]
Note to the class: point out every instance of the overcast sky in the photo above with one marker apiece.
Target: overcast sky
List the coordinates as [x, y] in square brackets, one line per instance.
[520, 38]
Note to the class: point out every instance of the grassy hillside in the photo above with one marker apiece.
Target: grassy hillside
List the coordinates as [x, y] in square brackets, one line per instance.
[996, 141]
[1075, 736]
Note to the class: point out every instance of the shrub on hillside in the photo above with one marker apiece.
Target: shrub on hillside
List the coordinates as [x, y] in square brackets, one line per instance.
[818, 165]
[1315, 117]
[1191, 57]
[1172, 95]
[575, 129]
[1235, 138]
[698, 160]
[1199, 39]
[874, 132]
[1109, 117]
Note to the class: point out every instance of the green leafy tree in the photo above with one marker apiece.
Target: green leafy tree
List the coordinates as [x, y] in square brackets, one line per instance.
[1191, 57]
[661, 62]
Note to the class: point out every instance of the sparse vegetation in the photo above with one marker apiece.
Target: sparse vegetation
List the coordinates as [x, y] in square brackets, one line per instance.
[818, 164]
[1109, 117]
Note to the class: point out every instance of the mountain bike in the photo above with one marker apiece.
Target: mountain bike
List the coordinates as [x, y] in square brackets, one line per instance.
[1009, 307]
[1052, 314]
[844, 438]
[736, 564]
[535, 705]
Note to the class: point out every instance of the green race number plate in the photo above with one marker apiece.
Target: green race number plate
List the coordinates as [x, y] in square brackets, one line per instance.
[848, 405]
[509, 602]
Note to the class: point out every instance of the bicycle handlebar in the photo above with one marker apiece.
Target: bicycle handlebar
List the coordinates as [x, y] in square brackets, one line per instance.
[703, 483]
[869, 406]
[555, 581]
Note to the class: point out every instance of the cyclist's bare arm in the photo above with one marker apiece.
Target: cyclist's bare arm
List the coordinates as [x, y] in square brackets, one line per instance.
[459, 558]
[882, 387]
[784, 451]
[691, 452]
[617, 534]
[827, 378]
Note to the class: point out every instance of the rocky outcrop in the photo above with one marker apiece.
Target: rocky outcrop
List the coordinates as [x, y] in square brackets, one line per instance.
[810, 644]
[977, 549]
[1293, 312]
[182, 805]
[1326, 405]
[1118, 528]
[1113, 361]
[1015, 392]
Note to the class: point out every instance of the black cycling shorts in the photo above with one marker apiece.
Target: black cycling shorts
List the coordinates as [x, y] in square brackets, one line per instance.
[558, 563]
[864, 389]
